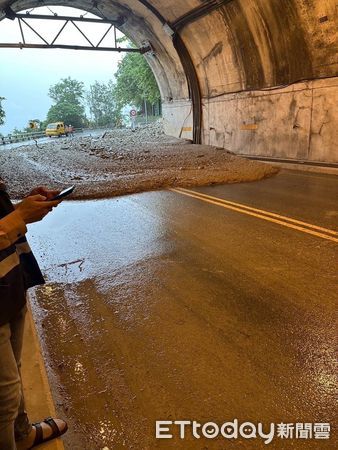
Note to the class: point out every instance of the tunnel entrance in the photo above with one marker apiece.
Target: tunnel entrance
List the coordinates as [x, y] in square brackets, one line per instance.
[113, 161]
[159, 303]
[71, 29]
[263, 67]
[163, 59]
[235, 86]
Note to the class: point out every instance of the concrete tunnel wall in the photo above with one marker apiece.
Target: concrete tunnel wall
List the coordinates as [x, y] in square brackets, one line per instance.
[267, 70]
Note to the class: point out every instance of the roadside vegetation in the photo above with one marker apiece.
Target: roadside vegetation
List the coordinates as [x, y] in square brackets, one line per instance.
[102, 104]
[68, 106]
[2, 111]
[136, 84]
[133, 86]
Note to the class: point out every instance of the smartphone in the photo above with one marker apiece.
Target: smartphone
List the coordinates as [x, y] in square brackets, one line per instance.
[63, 194]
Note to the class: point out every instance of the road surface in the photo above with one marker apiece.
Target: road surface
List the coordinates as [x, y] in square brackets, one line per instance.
[44, 140]
[208, 305]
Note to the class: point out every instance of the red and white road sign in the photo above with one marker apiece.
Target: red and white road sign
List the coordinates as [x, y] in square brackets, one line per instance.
[133, 112]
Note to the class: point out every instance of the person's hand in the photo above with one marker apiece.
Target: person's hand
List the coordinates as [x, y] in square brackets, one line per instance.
[34, 208]
[43, 190]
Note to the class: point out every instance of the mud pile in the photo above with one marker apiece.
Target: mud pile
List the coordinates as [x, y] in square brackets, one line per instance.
[120, 161]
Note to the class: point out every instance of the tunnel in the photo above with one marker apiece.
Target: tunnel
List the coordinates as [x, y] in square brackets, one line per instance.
[257, 77]
[188, 287]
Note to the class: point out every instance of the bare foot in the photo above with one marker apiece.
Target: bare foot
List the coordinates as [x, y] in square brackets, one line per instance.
[47, 432]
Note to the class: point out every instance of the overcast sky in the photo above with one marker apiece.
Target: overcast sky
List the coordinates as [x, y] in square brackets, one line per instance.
[27, 74]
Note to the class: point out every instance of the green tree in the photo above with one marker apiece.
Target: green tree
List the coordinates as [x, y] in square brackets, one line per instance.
[68, 96]
[66, 112]
[2, 111]
[67, 90]
[102, 104]
[135, 82]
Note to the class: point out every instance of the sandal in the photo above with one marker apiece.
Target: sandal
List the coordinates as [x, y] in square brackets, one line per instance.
[56, 432]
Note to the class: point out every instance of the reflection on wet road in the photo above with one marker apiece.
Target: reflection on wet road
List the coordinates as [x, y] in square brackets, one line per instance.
[163, 307]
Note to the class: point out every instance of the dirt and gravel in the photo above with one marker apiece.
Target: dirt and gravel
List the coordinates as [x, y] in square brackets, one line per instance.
[121, 161]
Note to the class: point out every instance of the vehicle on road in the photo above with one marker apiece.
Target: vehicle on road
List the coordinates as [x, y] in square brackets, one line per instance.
[58, 129]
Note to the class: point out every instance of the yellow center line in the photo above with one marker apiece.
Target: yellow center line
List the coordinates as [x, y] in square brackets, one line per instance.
[261, 211]
[265, 215]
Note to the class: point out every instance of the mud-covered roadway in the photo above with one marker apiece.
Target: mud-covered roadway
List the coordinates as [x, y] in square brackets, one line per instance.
[120, 161]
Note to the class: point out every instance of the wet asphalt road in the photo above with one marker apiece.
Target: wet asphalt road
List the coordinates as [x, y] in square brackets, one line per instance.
[44, 140]
[160, 306]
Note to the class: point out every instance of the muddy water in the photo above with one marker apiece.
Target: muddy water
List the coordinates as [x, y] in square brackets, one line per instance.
[143, 320]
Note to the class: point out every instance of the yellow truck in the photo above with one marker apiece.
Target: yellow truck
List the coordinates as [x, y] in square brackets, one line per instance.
[58, 129]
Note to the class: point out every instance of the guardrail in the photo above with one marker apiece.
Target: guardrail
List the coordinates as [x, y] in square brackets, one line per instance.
[13, 138]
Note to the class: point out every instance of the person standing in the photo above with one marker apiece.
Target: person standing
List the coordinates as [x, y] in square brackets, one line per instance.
[19, 271]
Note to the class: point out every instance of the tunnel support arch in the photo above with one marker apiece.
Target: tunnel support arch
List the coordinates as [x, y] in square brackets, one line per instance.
[190, 72]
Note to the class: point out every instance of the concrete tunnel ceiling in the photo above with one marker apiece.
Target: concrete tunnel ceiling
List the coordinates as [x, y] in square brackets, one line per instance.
[222, 48]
